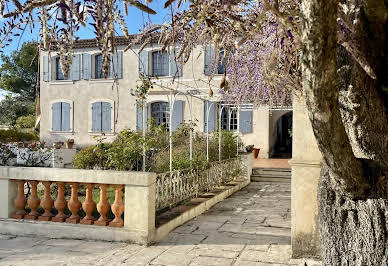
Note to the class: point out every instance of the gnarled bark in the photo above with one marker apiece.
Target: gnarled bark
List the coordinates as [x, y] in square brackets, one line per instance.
[353, 232]
[321, 90]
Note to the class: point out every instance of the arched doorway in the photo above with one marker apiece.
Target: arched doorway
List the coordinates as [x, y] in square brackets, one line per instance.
[283, 137]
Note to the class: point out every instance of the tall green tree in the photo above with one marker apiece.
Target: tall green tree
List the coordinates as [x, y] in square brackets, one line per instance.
[19, 71]
[12, 108]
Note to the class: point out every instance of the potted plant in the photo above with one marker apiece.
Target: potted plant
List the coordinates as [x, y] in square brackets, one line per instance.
[256, 152]
[58, 145]
[69, 143]
[249, 148]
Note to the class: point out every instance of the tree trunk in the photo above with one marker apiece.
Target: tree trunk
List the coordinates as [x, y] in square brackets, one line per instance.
[344, 90]
[353, 232]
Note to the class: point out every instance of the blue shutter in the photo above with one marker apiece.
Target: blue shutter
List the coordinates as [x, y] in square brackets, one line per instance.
[209, 60]
[144, 63]
[65, 117]
[86, 66]
[75, 68]
[45, 68]
[212, 116]
[106, 117]
[116, 69]
[56, 116]
[139, 116]
[177, 114]
[96, 117]
[175, 67]
[245, 122]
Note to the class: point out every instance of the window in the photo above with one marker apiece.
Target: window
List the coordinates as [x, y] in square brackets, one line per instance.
[101, 117]
[98, 67]
[229, 119]
[160, 64]
[160, 112]
[60, 116]
[58, 69]
[221, 63]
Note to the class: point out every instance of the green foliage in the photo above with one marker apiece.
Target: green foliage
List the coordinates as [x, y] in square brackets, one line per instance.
[11, 108]
[125, 153]
[19, 71]
[26, 121]
[14, 135]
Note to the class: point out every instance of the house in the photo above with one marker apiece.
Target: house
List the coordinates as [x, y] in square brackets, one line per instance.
[85, 104]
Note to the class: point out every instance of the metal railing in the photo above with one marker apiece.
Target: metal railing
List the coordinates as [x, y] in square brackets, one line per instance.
[180, 185]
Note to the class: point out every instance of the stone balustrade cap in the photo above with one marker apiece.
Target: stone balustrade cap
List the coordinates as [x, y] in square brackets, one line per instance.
[78, 175]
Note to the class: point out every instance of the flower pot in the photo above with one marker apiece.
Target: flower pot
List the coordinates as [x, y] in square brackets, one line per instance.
[249, 148]
[69, 144]
[57, 145]
[256, 153]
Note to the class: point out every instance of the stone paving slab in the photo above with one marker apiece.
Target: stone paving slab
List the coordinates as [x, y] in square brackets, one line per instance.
[250, 228]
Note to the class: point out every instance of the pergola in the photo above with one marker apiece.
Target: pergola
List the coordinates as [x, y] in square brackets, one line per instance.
[189, 94]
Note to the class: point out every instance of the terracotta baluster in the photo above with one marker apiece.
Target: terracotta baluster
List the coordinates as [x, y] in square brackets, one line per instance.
[47, 203]
[60, 204]
[118, 207]
[89, 205]
[103, 207]
[33, 202]
[74, 205]
[20, 201]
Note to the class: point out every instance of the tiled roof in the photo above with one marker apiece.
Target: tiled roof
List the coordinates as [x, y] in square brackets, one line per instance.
[91, 43]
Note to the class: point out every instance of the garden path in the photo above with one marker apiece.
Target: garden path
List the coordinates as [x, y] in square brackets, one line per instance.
[252, 227]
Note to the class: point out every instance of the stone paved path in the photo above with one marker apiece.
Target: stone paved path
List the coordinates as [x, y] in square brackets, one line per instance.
[251, 228]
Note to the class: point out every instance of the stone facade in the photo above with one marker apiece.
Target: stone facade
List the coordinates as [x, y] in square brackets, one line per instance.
[83, 90]
[306, 166]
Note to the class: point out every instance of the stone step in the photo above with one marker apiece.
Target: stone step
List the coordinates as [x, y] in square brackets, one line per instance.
[272, 171]
[256, 178]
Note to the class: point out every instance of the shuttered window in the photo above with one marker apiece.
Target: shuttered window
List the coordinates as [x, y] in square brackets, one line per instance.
[231, 121]
[98, 67]
[101, 117]
[210, 58]
[58, 69]
[160, 64]
[160, 112]
[60, 116]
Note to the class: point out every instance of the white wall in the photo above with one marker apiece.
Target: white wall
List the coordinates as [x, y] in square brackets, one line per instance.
[81, 93]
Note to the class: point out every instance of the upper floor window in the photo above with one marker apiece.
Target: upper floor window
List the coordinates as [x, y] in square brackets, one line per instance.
[160, 112]
[101, 117]
[58, 69]
[60, 115]
[210, 58]
[221, 63]
[98, 73]
[160, 64]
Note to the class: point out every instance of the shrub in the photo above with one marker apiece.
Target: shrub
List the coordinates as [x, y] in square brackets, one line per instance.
[92, 157]
[125, 153]
[14, 135]
[27, 121]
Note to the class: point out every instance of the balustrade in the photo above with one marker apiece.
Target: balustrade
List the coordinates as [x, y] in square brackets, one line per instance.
[62, 203]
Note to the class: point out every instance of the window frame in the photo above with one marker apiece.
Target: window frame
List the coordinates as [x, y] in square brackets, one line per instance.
[163, 113]
[221, 64]
[229, 118]
[58, 69]
[112, 116]
[156, 72]
[71, 118]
